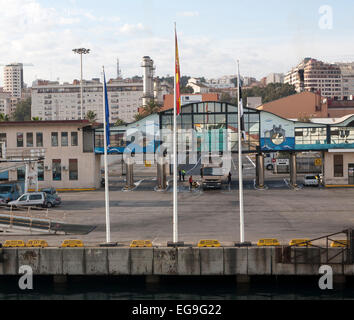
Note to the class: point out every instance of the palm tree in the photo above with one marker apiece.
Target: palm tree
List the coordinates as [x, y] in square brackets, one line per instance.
[151, 108]
[91, 116]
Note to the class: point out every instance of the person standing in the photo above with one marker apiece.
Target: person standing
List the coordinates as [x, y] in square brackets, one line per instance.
[190, 183]
[184, 175]
[229, 179]
[180, 174]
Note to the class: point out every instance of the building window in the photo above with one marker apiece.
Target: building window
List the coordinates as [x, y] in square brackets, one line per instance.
[56, 170]
[64, 139]
[54, 139]
[21, 174]
[19, 140]
[338, 166]
[40, 171]
[74, 139]
[3, 138]
[29, 139]
[39, 139]
[73, 169]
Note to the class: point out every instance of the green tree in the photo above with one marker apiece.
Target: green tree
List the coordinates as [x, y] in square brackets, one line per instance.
[120, 122]
[4, 117]
[271, 92]
[139, 117]
[151, 108]
[225, 97]
[23, 111]
[36, 119]
[91, 116]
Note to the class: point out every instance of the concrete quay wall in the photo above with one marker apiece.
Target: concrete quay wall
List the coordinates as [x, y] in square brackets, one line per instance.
[225, 261]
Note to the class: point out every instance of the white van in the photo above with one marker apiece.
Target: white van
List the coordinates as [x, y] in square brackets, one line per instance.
[36, 199]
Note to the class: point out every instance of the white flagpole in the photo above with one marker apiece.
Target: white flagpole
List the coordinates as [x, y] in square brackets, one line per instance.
[106, 182]
[175, 194]
[240, 171]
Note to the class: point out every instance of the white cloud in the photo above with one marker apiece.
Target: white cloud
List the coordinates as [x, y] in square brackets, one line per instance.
[189, 14]
[132, 28]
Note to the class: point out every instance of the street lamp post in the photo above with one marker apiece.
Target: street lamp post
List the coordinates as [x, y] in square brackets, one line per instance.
[82, 51]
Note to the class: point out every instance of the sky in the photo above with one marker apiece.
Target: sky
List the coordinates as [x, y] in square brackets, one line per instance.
[265, 36]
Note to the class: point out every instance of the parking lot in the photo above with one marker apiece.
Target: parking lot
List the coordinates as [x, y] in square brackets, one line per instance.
[276, 213]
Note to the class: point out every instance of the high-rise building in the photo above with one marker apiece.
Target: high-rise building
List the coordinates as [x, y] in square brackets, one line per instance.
[54, 101]
[13, 79]
[275, 78]
[347, 70]
[316, 76]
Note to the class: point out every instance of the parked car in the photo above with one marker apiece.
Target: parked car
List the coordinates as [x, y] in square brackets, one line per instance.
[311, 181]
[10, 191]
[52, 196]
[3, 200]
[35, 199]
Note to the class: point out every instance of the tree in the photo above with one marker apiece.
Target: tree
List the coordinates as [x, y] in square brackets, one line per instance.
[4, 117]
[225, 97]
[23, 111]
[271, 92]
[36, 119]
[91, 116]
[120, 122]
[151, 108]
[139, 117]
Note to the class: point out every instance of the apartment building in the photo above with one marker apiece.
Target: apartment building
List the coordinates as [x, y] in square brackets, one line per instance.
[347, 71]
[275, 78]
[54, 101]
[66, 150]
[316, 76]
[13, 79]
[5, 103]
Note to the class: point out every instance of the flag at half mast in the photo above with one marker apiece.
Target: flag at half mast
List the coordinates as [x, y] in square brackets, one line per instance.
[178, 80]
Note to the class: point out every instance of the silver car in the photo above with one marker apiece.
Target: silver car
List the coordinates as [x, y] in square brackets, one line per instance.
[36, 199]
[311, 181]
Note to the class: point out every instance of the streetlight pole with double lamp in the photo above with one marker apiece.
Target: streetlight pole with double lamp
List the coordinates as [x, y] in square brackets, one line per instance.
[82, 51]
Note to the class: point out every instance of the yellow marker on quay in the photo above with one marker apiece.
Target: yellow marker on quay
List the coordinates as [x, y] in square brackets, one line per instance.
[141, 244]
[209, 244]
[268, 243]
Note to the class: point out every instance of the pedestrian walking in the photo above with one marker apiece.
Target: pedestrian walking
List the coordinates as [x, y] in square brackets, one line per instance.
[180, 174]
[190, 183]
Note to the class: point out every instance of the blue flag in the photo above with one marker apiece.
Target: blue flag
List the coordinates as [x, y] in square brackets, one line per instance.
[108, 132]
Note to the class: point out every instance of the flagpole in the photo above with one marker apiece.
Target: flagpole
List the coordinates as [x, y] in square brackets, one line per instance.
[240, 169]
[175, 194]
[106, 182]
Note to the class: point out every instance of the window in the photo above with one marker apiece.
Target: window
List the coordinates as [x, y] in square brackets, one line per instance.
[19, 140]
[39, 139]
[35, 197]
[74, 139]
[21, 174]
[338, 166]
[29, 139]
[56, 170]
[73, 169]
[54, 139]
[3, 138]
[23, 198]
[64, 139]
[40, 171]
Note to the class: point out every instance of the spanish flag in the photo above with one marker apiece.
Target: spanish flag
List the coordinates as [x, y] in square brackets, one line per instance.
[178, 81]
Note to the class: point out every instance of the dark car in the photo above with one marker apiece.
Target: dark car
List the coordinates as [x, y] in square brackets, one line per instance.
[52, 196]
